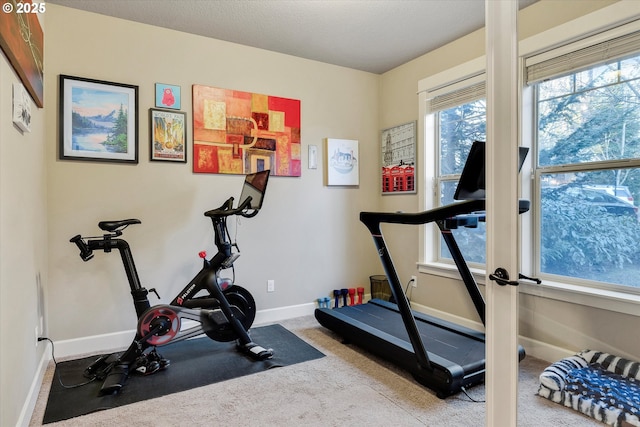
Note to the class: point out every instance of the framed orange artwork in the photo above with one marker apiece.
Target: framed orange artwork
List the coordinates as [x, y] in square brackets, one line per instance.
[240, 132]
[22, 41]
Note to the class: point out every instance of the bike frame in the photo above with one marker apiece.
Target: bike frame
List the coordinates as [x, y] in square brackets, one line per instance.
[191, 307]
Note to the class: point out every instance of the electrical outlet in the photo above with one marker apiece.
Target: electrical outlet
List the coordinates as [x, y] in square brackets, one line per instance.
[37, 336]
[271, 285]
[414, 281]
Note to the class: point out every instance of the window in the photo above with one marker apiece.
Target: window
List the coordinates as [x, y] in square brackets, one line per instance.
[581, 119]
[457, 128]
[588, 172]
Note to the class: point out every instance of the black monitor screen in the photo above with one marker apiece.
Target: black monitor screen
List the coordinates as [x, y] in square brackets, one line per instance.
[255, 185]
[472, 181]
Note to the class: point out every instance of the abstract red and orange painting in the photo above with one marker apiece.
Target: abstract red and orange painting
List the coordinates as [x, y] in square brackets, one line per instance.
[238, 132]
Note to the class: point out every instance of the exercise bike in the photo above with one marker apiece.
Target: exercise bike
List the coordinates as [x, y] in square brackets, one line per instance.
[223, 311]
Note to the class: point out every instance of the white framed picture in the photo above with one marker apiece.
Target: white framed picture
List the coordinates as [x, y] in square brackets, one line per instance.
[21, 107]
[342, 162]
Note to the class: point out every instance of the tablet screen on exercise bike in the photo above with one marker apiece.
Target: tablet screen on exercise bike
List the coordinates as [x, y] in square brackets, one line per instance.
[255, 185]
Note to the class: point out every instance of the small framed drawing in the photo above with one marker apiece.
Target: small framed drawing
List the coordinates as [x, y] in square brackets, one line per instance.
[21, 108]
[342, 162]
[167, 96]
[98, 120]
[168, 135]
[399, 159]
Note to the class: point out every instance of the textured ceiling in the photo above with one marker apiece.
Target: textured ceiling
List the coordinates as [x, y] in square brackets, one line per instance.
[368, 35]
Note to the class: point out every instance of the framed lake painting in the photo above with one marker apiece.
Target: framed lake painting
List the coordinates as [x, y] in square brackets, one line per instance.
[98, 120]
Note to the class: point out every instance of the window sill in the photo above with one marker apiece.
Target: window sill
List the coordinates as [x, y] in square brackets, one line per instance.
[598, 298]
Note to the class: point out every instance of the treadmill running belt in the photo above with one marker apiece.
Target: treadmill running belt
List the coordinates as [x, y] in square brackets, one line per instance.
[454, 346]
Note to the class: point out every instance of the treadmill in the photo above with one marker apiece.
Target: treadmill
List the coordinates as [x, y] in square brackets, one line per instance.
[440, 355]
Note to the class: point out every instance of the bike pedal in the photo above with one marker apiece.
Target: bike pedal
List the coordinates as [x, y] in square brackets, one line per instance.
[156, 357]
[148, 368]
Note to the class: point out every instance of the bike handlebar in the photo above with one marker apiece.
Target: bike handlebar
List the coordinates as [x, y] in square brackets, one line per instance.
[85, 253]
[227, 209]
[115, 227]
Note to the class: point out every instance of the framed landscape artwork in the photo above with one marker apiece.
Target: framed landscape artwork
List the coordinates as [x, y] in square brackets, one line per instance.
[98, 120]
[238, 132]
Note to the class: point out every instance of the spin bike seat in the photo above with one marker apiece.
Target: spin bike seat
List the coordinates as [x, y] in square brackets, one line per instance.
[112, 226]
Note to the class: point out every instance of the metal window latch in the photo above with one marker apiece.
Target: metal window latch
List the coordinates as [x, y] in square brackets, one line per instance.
[532, 279]
[501, 277]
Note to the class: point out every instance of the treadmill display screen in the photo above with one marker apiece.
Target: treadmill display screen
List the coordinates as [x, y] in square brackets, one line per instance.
[472, 181]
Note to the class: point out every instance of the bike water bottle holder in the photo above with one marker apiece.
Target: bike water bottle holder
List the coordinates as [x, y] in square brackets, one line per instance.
[228, 263]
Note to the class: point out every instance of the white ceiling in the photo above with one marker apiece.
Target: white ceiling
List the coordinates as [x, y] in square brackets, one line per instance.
[368, 35]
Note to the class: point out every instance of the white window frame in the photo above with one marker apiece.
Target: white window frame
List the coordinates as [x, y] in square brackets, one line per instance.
[612, 21]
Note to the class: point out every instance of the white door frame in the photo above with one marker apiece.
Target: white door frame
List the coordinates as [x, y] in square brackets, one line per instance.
[502, 211]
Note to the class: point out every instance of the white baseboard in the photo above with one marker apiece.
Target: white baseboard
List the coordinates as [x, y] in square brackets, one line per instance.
[94, 344]
[118, 340]
[283, 313]
[34, 390]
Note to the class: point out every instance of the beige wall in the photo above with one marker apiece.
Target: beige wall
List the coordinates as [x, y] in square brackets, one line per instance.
[23, 247]
[568, 326]
[307, 237]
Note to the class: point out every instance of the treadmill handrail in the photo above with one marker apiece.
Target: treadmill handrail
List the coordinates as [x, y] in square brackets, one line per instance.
[432, 215]
[371, 219]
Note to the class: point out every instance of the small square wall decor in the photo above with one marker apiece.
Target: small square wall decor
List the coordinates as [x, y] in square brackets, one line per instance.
[168, 96]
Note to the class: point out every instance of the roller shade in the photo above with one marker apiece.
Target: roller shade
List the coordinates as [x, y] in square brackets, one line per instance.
[580, 55]
[462, 92]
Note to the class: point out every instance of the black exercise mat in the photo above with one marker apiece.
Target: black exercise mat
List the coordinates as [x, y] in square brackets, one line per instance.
[194, 363]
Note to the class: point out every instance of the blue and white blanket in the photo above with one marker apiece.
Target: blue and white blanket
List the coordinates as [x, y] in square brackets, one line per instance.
[599, 385]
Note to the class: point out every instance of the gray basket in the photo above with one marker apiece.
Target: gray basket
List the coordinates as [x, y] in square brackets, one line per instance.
[380, 287]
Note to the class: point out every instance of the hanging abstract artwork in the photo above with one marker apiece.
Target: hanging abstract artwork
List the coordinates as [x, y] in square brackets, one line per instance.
[22, 41]
[240, 132]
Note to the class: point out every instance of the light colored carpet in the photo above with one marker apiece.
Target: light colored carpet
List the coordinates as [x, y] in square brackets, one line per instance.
[347, 387]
